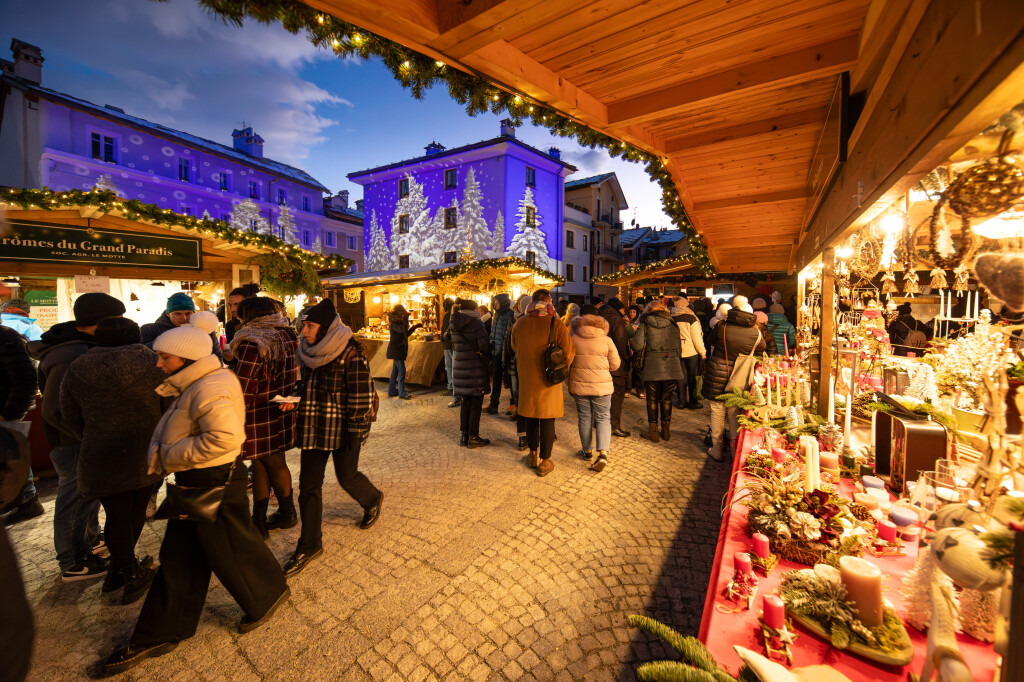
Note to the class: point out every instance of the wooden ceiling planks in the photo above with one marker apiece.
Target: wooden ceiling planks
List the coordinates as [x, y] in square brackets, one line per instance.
[732, 95]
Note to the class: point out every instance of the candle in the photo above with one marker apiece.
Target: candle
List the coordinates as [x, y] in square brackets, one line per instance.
[785, 344]
[873, 443]
[863, 581]
[761, 547]
[886, 531]
[831, 400]
[866, 470]
[903, 516]
[774, 612]
[848, 425]
[849, 462]
[741, 562]
[779, 455]
[884, 503]
[942, 303]
[768, 383]
[873, 482]
[868, 501]
[829, 460]
[910, 534]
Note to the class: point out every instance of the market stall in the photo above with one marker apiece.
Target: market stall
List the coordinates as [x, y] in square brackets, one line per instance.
[421, 291]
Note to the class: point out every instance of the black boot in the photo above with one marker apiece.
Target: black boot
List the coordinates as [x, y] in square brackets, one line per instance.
[285, 516]
[477, 442]
[464, 439]
[652, 432]
[523, 444]
[259, 517]
[138, 578]
[666, 433]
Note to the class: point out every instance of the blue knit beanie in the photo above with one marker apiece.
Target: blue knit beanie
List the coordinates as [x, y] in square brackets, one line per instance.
[180, 301]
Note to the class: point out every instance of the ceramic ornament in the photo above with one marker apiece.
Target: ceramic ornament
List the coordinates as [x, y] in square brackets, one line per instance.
[959, 516]
[959, 552]
[1003, 275]
[939, 279]
[794, 418]
[805, 391]
[943, 661]
[910, 283]
[755, 391]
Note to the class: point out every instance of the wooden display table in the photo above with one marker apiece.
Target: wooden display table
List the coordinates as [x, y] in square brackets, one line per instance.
[420, 366]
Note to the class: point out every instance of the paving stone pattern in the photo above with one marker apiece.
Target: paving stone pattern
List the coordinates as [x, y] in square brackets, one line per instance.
[477, 570]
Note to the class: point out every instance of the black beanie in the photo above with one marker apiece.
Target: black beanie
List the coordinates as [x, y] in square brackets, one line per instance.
[615, 303]
[323, 313]
[92, 307]
[468, 304]
[117, 331]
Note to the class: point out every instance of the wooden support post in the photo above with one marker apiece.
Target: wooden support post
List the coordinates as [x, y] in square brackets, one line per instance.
[828, 320]
[801, 293]
[1013, 663]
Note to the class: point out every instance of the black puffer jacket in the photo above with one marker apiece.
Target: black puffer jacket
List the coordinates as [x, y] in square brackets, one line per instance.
[471, 361]
[657, 337]
[398, 344]
[152, 330]
[61, 344]
[738, 336]
[17, 376]
[109, 399]
[619, 335]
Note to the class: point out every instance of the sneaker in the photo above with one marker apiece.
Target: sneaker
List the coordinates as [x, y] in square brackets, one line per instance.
[600, 463]
[29, 509]
[405, 397]
[114, 581]
[621, 433]
[297, 561]
[587, 455]
[524, 445]
[491, 409]
[90, 567]
[99, 548]
[456, 402]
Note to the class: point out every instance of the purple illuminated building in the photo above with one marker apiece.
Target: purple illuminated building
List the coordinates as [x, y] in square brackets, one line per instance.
[496, 197]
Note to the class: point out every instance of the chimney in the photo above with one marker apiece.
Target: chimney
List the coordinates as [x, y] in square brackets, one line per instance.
[555, 152]
[343, 198]
[434, 148]
[359, 204]
[245, 140]
[507, 129]
[28, 61]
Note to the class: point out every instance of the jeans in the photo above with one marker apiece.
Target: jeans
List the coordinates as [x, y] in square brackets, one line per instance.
[540, 435]
[448, 369]
[313, 464]
[619, 382]
[723, 419]
[396, 385]
[126, 516]
[515, 388]
[29, 491]
[76, 524]
[594, 412]
[659, 395]
[496, 380]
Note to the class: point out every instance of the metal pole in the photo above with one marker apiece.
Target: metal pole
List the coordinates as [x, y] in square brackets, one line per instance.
[828, 314]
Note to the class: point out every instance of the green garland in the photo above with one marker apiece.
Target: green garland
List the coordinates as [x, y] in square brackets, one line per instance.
[287, 276]
[108, 201]
[698, 665]
[505, 262]
[418, 73]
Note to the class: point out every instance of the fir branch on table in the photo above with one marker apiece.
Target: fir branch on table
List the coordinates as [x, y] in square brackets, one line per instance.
[672, 671]
[998, 548]
[693, 652]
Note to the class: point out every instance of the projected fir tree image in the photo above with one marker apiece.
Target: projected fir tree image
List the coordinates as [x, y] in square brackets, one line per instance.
[378, 257]
[528, 238]
[498, 242]
[410, 226]
[246, 216]
[287, 227]
[474, 227]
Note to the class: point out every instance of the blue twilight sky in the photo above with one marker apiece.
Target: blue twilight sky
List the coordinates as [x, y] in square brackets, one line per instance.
[172, 63]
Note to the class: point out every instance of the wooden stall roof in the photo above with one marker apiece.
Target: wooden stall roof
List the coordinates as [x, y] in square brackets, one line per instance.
[664, 268]
[423, 274]
[733, 96]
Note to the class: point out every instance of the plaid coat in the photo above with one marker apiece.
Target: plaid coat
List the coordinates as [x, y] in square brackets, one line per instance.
[336, 401]
[268, 429]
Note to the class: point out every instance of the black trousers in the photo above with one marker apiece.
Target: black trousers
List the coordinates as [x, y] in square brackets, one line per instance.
[126, 516]
[659, 395]
[469, 417]
[231, 548]
[618, 395]
[687, 386]
[540, 435]
[496, 380]
[17, 631]
[313, 464]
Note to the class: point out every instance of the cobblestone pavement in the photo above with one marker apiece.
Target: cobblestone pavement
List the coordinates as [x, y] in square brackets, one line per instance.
[477, 570]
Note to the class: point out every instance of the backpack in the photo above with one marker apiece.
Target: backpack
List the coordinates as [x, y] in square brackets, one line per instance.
[375, 399]
[915, 338]
[555, 368]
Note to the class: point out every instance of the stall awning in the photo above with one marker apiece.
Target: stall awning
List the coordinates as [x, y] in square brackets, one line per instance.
[661, 268]
[477, 273]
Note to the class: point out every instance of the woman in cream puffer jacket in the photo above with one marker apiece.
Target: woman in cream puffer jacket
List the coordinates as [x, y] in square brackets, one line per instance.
[590, 384]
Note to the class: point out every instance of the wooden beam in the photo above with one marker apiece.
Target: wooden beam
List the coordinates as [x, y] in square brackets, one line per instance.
[828, 315]
[799, 193]
[468, 25]
[877, 39]
[746, 130]
[410, 22]
[795, 67]
[958, 80]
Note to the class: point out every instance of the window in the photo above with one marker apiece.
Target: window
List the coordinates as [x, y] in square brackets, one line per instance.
[531, 257]
[226, 217]
[570, 273]
[187, 209]
[224, 178]
[329, 239]
[254, 189]
[403, 188]
[307, 238]
[306, 203]
[450, 178]
[585, 278]
[451, 218]
[403, 261]
[451, 257]
[184, 169]
[254, 224]
[352, 244]
[282, 197]
[531, 177]
[584, 245]
[531, 216]
[104, 147]
[570, 239]
[403, 224]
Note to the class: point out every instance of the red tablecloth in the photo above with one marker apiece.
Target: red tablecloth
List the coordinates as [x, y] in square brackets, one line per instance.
[720, 631]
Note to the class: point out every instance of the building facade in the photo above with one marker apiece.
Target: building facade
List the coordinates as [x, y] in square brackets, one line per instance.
[51, 139]
[342, 230]
[493, 198]
[601, 197]
[645, 245]
[577, 255]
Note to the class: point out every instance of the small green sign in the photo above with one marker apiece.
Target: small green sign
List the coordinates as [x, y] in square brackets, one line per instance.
[50, 243]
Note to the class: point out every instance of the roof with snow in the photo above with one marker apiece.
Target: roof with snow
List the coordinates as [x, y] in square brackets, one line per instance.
[116, 114]
[650, 236]
[592, 180]
[342, 213]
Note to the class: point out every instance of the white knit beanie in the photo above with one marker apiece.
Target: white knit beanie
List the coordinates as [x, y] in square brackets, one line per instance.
[740, 301]
[777, 296]
[205, 320]
[187, 342]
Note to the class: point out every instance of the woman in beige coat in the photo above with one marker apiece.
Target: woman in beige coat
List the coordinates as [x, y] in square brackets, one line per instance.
[590, 383]
[540, 403]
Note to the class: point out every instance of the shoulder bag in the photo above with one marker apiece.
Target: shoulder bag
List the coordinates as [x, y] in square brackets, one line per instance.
[743, 369]
[188, 503]
[555, 368]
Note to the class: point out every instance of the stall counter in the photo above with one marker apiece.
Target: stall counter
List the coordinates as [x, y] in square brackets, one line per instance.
[420, 366]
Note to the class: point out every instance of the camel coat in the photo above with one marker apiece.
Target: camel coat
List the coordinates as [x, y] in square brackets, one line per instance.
[538, 399]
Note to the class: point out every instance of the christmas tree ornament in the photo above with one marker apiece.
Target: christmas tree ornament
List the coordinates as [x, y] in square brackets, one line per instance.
[910, 283]
[963, 276]
[889, 282]
[936, 225]
[794, 418]
[987, 188]
[944, 242]
[938, 279]
[758, 396]
[960, 553]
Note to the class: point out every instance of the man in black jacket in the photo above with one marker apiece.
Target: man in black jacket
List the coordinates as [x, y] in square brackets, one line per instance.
[446, 345]
[17, 397]
[500, 323]
[612, 312]
[907, 333]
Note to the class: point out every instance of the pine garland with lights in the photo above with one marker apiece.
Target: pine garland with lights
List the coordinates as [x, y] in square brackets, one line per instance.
[109, 202]
[418, 73]
[506, 262]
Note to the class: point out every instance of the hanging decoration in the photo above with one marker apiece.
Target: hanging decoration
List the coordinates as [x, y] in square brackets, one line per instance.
[988, 188]
[937, 225]
[963, 276]
[910, 283]
[939, 279]
[1003, 276]
[889, 282]
[944, 243]
[867, 258]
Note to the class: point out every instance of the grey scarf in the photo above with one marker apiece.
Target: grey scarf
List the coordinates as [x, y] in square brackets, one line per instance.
[334, 342]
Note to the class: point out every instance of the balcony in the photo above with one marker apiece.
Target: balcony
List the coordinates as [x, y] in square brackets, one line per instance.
[609, 220]
[610, 253]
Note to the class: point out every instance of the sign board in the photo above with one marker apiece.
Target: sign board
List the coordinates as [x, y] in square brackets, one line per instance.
[695, 291]
[36, 242]
[41, 297]
[722, 289]
[45, 315]
[673, 291]
[92, 284]
[653, 292]
[830, 152]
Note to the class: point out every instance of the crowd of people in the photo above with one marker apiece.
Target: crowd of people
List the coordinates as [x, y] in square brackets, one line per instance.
[125, 407]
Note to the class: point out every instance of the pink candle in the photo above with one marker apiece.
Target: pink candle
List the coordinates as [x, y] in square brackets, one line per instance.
[741, 562]
[886, 531]
[774, 612]
[761, 548]
[868, 501]
[785, 344]
[863, 582]
[828, 460]
[779, 455]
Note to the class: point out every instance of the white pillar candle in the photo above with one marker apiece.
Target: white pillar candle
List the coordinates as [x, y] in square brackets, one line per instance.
[831, 400]
[847, 426]
[863, 582]
[768, 383]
